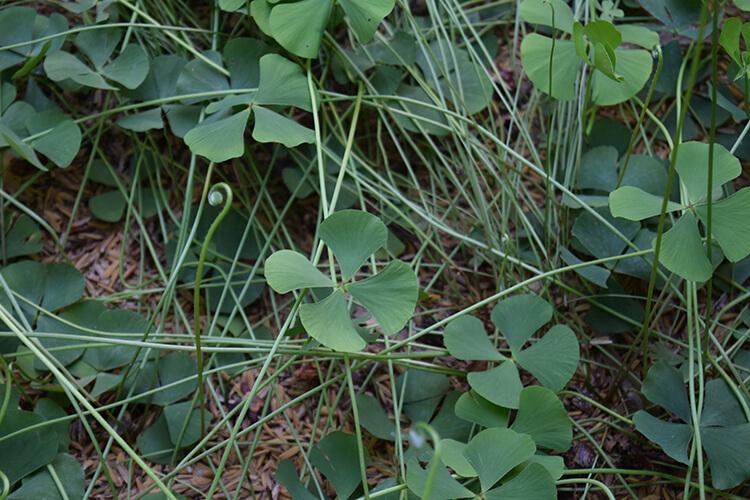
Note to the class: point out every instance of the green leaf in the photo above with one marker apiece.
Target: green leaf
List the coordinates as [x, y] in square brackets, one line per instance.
[466, 339]
[115, 321]
[603, 32]
[198, 76]
[50, 286]
[639, 35]
[595, 274]
[452, 455]
[20, 148]
[553, 359]
[495, 452]
[554, 465]
[161, 81]
[474, 408]
[23, 237]
[598, 239]
[415, 117]
[231, 5]
[542, 416]
[16, 26]
[536, 51]
[287, 476]
[60, 144]
[336, 456]
[185, 416]
[143, 121]
[174, 367]
[720, 406]
[518, 317]
[373, 418]
[726, 448]
[390, 296]
[273, 127]
[48, 324]
[221, 140]
[154, 443]
[450, 69]
[541, 12]
[449, 425]
[635, 204]
[532, 483]
[26, 452]
[500, 385]
[109, 206]
[692, 165]
[682, 250]
[32, 62]
[329, 323]
[242, 57]
[61, 65]
[634, 66]
[260, 10]
[366, 15]
[99, 44]
[599, 169]
[298, 26]
[282, 83]
[60, 431]
[353, 235]
[42, 486]
[730, 38]
[130, 68]
[287, 270]
[663, 386]
[442, 487]
[728, 217]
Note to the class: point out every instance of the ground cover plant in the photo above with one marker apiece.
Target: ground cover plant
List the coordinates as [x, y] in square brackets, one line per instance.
[439, 249]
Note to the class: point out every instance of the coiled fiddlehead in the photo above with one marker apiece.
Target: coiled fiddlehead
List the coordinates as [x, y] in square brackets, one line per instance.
[215, 197]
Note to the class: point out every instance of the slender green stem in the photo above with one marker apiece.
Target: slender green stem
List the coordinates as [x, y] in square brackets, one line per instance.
[215, 197]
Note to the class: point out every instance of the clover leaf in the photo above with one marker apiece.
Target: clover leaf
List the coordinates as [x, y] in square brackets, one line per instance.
[22, 235]
[178, 427]
[618, 73]
[41, 484]
[50, 133]
[337, 458]
[281, 84]
[495, 455]
[725, 432]
[390, 296]
[552, 359]
[128, 69]
[19, 25]
[683, 251]
[298, 26]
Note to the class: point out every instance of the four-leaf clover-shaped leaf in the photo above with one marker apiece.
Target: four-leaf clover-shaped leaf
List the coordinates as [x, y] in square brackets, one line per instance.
[725, 432]
[620, 73]
[281, 84]
[495, 455]
[683, 251]
[552, 359]
[390, 295]
[128, 69]
[298, 25]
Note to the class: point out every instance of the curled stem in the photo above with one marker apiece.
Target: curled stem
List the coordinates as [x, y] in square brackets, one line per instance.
[215, 197]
